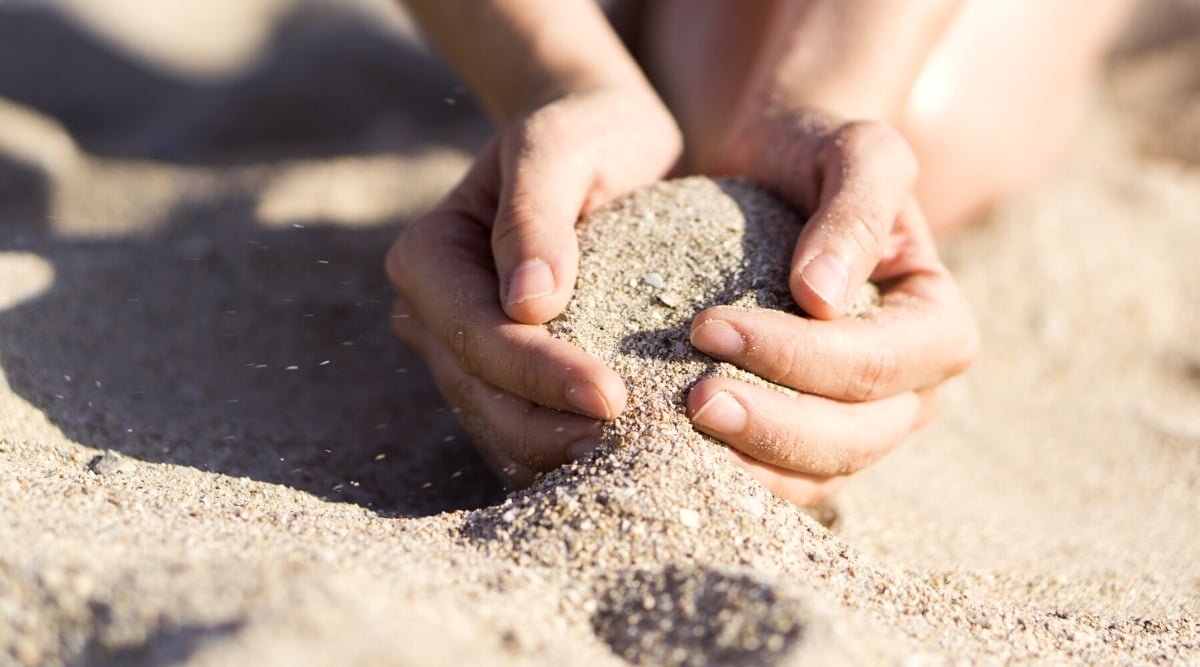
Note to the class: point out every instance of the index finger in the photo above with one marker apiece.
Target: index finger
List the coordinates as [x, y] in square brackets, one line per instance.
[465, 315]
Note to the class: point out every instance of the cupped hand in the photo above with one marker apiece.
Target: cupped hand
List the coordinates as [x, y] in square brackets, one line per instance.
[477, 276]
[865, 382]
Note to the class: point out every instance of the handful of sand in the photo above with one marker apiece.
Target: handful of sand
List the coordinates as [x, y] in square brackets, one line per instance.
[650, 262]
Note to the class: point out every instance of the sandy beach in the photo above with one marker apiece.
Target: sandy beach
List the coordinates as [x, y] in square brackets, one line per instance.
[212, 451]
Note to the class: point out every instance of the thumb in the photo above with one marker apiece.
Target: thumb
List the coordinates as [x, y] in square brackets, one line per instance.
[546, 183]
[867, 172]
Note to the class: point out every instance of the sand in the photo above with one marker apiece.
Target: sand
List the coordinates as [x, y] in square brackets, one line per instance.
[211, 452]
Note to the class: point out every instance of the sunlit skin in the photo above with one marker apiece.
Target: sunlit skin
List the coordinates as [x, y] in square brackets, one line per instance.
[873, 117]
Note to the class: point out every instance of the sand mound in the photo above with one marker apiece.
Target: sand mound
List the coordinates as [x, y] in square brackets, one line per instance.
[663, 526]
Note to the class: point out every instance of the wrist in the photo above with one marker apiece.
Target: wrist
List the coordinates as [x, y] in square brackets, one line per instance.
[607, 124]
[566, 84]
[518, 55]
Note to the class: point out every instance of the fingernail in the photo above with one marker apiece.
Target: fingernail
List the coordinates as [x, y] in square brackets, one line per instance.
[580, 448]
[587, 399]
[718, 338]
[530, 280]
[827, 275]
[722, 414]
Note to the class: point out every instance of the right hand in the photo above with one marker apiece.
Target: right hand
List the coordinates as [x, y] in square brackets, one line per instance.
[863, 384]
[477, 276]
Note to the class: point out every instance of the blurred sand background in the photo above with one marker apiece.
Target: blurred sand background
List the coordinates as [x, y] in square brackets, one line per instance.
[212, 452]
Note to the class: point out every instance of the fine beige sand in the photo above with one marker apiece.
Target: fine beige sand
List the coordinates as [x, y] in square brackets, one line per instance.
[211, 451]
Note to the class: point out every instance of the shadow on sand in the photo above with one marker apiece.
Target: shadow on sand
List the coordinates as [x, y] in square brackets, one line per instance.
[213, 341]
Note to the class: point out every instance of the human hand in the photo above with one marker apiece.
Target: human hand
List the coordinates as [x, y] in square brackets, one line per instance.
[864, 382]
[477, 276]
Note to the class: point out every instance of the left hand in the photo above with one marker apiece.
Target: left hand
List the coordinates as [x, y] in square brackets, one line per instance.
[530, 401]
[865, 382]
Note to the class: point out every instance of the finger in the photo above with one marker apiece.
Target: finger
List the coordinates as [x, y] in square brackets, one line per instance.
[534, 436]
[910, 248]
[512, 474]
[417, 339]
[867, 173]
[922, 334]
[508, 428]
[463, 315]
[804, 433]
[546, 182]
[796, 487]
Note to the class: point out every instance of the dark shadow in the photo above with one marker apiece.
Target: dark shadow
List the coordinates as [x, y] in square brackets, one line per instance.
[169, 645]
[331, 82]
[50, 64]
[666, 617]
[24, 192]
[231, 348]
[1156, 26]
[213, 341]
[1154, 72]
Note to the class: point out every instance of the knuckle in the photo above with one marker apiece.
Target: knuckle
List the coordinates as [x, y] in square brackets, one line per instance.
[858, 135]
[783, 444]
[827, 459]
[462, 345]
[521, 448]
[868, 230]
[527, 380]
[775, 444]
[529, 447]
[511, 226]
[881, 139]
[854, 138]
[856, 459]
[546, 121]
[875, 373]
[786, 365]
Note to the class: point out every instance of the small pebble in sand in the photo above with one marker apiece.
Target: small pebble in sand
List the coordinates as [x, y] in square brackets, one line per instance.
[110, 463]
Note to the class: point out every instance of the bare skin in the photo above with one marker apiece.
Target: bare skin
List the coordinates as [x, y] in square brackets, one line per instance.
[831, 103]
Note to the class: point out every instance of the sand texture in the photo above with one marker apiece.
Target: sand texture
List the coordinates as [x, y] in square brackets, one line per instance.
[213, 453]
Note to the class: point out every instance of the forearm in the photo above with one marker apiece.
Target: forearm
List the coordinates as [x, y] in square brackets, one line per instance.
[854, 58]
[519, 54]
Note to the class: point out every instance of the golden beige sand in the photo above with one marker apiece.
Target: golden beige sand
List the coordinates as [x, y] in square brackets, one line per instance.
[212, 452]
